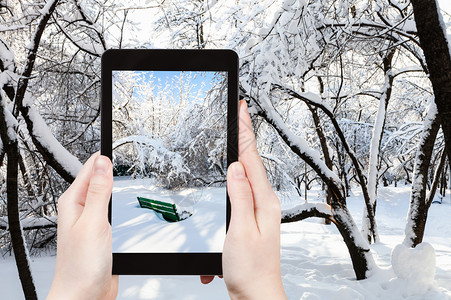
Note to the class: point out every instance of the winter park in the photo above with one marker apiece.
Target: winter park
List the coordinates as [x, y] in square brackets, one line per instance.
[161, 160]
[350, 104]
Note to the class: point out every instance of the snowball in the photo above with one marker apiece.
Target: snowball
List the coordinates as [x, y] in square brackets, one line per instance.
[414, 265]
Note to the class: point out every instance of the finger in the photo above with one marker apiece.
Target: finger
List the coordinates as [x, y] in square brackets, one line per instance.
[81, 182]
[248, 154]
[241, 200]
[99, 190]
[264, 197]
[206, 279]
[72, 202]
[114, 287]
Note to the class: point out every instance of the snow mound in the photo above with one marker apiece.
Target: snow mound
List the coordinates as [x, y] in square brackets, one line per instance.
[416, 265]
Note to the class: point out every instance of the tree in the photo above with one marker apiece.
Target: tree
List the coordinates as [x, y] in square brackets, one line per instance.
[26, 137]
[8, 133]
[174, 135]
[9, 125]
[434, 43]
[432, 35]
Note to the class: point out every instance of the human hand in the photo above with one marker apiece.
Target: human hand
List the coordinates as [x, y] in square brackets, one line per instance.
[251, 256]
[84, 251]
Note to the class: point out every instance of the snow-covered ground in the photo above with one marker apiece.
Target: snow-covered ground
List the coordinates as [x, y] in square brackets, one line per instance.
[315, 262]
[137, 229]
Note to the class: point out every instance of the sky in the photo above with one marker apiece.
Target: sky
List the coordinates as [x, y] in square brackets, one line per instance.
[199, 82]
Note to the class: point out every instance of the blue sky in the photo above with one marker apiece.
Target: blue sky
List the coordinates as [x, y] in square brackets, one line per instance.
[199, 81]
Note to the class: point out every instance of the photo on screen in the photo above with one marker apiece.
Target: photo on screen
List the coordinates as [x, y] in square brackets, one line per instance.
[169, 161]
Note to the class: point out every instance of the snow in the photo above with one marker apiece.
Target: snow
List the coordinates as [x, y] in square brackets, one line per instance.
[11, 122]
[45, 10]
[409, 26]
[374, 152]
[6, 56]
[315, 98]
[137, 229]
[315, 262]
[91, 47]
[319, 206]
[158, 152]
[31, 221]
[420, 274]
[446, 7]
[375, 143]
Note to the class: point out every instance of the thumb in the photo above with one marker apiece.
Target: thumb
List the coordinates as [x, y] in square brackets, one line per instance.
[241, 199]
[99, 190]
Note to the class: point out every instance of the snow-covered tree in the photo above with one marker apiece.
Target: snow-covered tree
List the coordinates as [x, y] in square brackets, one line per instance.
[173, 130]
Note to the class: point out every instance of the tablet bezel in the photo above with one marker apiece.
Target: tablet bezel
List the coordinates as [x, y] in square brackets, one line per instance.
[169, 60]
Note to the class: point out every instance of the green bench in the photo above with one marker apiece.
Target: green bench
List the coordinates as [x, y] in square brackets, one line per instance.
[168, 210]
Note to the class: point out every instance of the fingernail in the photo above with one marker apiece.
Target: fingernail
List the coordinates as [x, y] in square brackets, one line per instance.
[238, 170]
[101, 165]
[244, 105]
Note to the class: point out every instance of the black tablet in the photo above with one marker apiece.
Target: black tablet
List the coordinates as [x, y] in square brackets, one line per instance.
[169, 123]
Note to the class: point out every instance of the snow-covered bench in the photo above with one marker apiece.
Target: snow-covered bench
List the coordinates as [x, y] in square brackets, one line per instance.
[167, 210]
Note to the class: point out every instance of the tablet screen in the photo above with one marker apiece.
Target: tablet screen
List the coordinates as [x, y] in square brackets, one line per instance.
[169, 153]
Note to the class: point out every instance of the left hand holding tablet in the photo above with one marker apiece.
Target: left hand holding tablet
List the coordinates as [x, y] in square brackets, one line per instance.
[84, 259]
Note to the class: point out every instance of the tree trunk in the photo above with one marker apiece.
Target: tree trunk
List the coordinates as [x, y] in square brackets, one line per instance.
[436, 179]
[10, 143]
[369, 232]
[418, 210]
[359, 250]
[438, 58]
[443, 182]
[18, 243]
[362, 260]
[324, 148]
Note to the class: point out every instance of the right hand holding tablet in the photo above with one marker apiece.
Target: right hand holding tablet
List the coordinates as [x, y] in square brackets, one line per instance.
[251, 257]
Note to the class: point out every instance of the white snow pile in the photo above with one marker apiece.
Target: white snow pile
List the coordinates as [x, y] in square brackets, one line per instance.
[416, 266]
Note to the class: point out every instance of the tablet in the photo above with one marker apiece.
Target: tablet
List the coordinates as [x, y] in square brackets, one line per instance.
[169, 123]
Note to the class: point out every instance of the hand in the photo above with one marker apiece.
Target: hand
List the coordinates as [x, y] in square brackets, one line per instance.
[251, 257]
[84, 253]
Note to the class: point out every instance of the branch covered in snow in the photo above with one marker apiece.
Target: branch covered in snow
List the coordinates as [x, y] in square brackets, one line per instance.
[93, 48]
[307, 210]
[31, 57]
[153, 152]
[31, 223]
[299, 146]
[66, 164]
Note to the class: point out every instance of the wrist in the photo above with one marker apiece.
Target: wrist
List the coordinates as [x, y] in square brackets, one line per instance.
[58, 292]
[273, 291]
